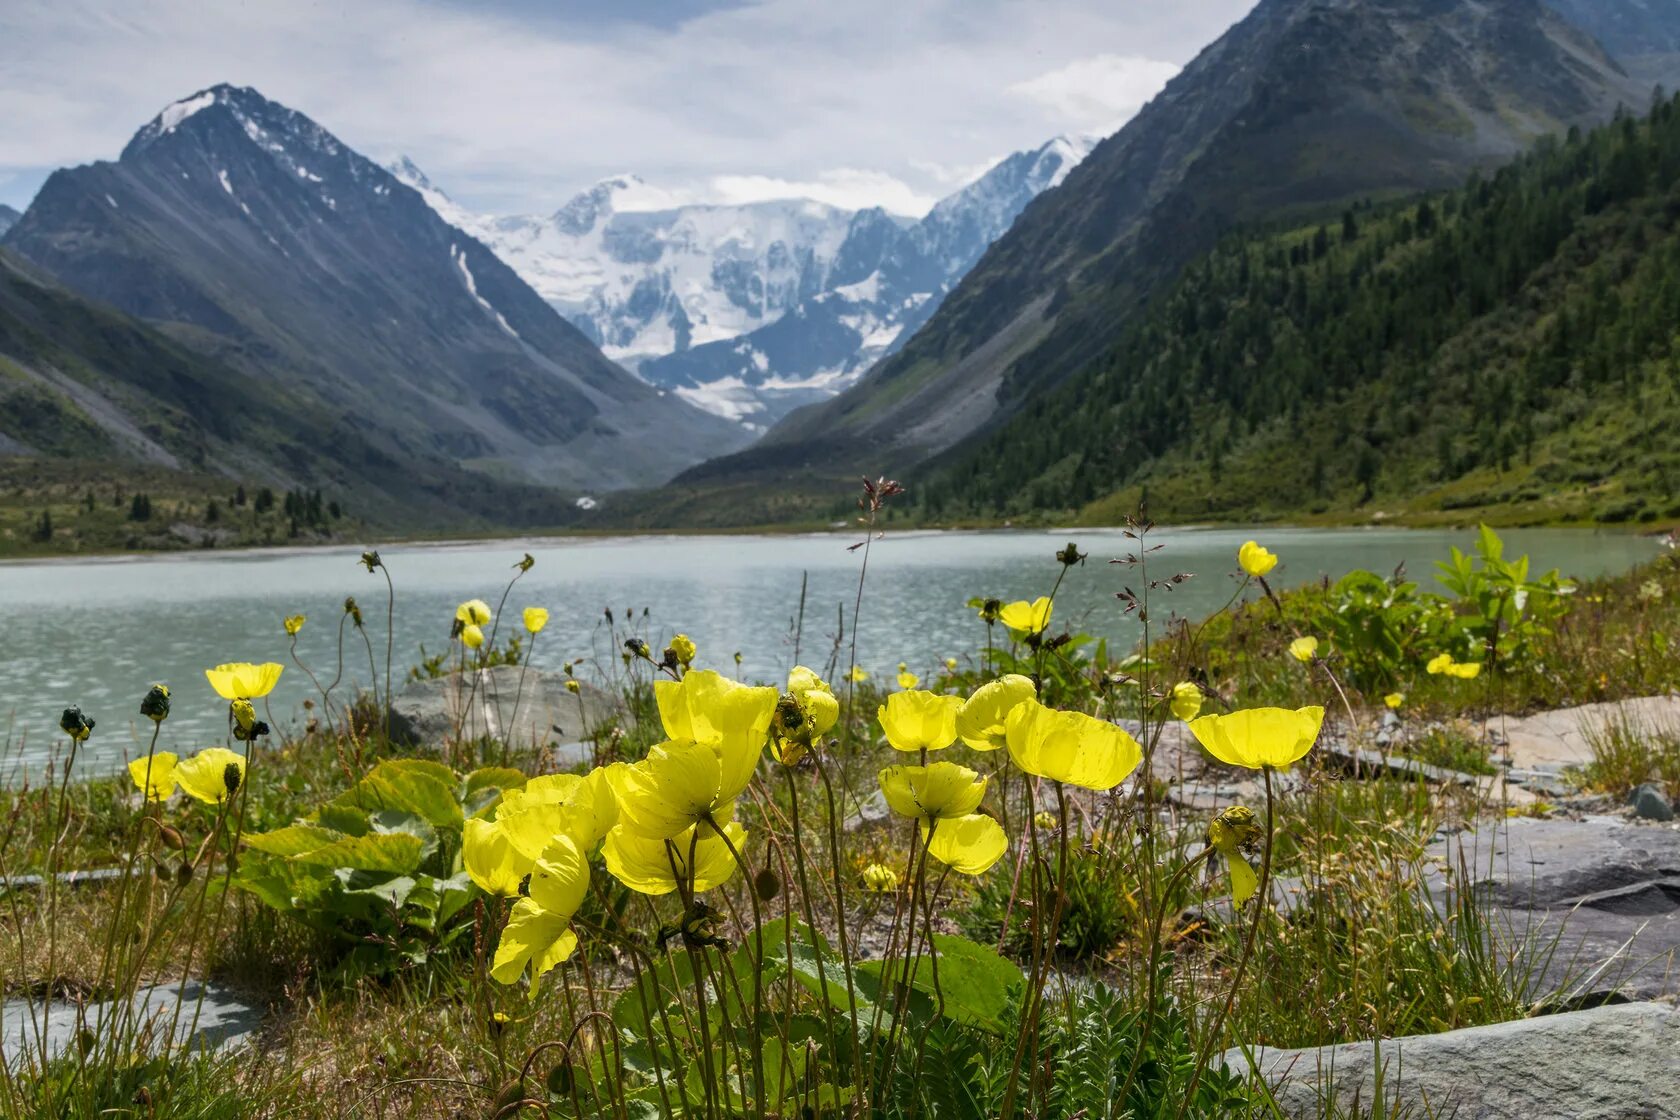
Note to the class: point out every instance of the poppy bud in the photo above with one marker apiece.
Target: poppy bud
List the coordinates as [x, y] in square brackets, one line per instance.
[75, 724]
[231, 772]
[244, 715]
[184, 874]
[370, 561]
[172, 838]
[155, 704]
[766, 884]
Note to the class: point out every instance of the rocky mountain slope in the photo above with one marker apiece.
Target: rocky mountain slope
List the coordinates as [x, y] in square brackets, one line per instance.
[8, 218]
[1502, 351]
[250, 233]
[1301, 105]
[751, 310]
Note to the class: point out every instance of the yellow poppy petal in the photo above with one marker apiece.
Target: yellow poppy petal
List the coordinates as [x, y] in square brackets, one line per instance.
[1070, 747]
[213, 775]
[918, 720]
[154, 775]
[970, 844]
[980, 721]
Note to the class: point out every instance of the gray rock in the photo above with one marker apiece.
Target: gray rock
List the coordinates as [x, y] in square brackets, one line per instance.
[871, 808]
[1607, 1063]
[1650, 803]
[1359, 762]
[68, 878]
[428, 713]
[223, 1020]
[1563, 737]
[1593, 905]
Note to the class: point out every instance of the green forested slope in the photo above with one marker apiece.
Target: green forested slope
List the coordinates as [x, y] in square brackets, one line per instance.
[1511, 348]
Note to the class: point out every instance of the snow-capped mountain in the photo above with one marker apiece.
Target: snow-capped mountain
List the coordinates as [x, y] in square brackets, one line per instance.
[751, 310]
[255, 233]
[643, 278]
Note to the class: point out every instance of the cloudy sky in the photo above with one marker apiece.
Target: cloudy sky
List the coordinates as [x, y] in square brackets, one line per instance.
[514, 105]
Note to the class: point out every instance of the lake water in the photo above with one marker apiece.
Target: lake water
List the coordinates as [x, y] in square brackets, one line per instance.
[99, 632]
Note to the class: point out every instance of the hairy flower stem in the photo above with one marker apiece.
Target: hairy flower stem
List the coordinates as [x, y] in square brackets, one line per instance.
[390, 642]
[1145, 1035]
[326, 696]
[60, 832]
[507, 729]
[810, 911]
[1030, 1011]
[107, 963]
[836, 857]
[758, 959]
[1262, 904]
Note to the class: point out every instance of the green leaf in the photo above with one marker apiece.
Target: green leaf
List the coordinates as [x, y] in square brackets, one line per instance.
[976, 985]
[398, 852]
[413, 789]
[808, 947]
[293, 840]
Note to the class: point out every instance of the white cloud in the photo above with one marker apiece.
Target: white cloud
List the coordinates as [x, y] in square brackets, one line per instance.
[849, 188]
[871, 100]
[1101, 92]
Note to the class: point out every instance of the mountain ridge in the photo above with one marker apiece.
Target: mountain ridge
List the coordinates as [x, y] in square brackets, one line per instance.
[1301, 104]
[245, 228]
[747, 310]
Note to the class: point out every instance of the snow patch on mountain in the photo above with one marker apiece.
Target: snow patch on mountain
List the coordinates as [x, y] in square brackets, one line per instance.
[750, 310]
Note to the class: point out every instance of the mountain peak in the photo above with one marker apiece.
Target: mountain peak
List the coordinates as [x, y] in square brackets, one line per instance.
[408, 173]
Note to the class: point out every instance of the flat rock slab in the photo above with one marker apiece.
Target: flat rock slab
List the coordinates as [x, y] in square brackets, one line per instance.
[1607, 891]
[223, 1020]
[1608, 1063]
[429, 712]
[1556, 739]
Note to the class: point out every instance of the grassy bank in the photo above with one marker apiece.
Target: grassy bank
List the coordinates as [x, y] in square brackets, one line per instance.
[828, 956]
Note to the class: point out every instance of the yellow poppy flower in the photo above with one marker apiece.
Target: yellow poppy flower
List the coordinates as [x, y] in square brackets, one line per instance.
[950, 665]
[491, 860]
[472, 636]
[294, 623]
[918, 720]
[649, 865]
[1255, 560]
[1186, 701]
[535, 619]
[1046, 820]
[154, 775]
[1304, 649]
[473, 612]
[1464, 670]
[880, 879]
[907, 679]
[581, 807]
[815, 698]
[1439, 664]
[858, 674]
[539, 934]
[1260, 737]
[241, 680]
[943, 797]
[1228, 834]
[980, 721]
[1024, 617]
[1070, 747]
[707, 707]
[212, 776]
[679, 784]
[683, 646]
[572, 686]
[969, 844]
[1394, 700]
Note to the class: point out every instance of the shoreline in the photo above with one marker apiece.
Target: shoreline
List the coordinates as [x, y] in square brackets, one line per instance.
[585, 536]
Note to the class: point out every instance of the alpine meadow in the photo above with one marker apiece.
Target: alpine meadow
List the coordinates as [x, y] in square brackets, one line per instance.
[933, 561]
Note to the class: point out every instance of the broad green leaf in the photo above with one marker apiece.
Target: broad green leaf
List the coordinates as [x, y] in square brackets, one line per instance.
[397, 852]
[412, 790]
[293, 840]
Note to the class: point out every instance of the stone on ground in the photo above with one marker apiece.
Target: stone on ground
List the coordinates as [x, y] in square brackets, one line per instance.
[428, 712]
[1607, 1063]
[222, 1020]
